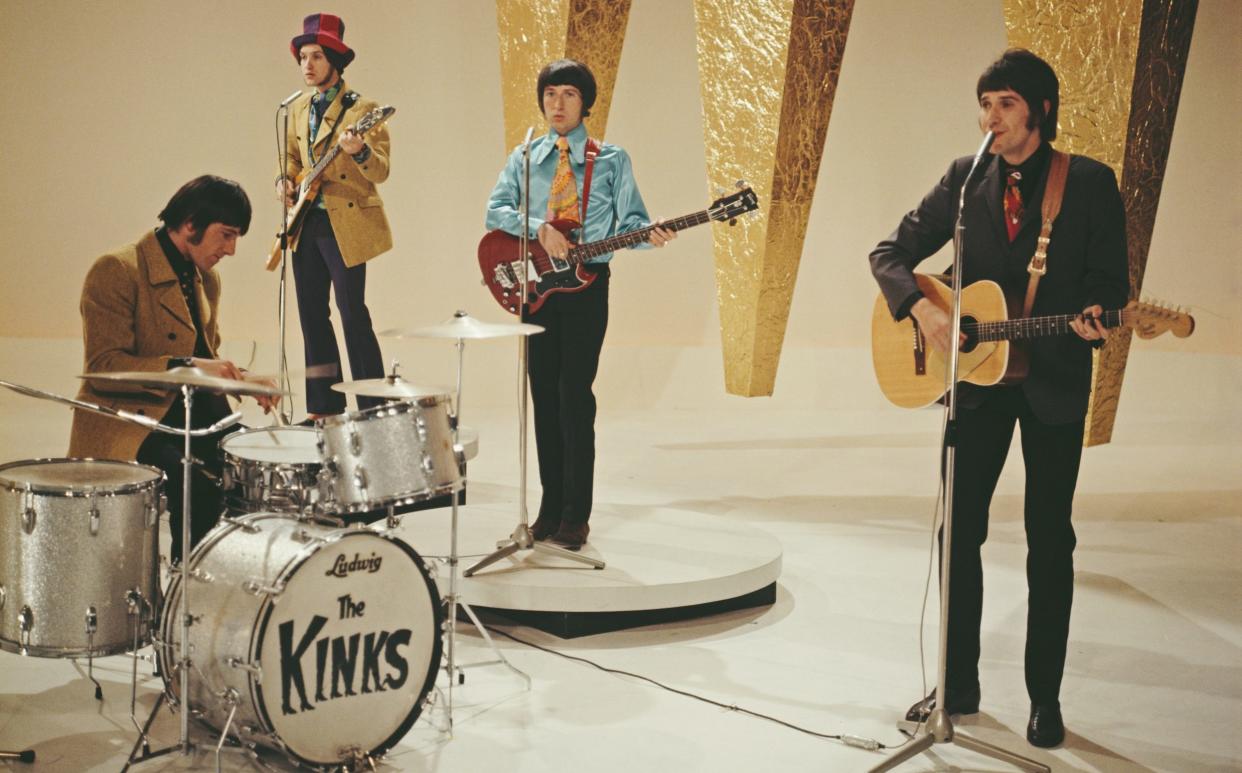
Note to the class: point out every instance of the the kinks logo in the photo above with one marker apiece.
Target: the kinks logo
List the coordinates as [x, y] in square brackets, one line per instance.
[370, 652]
[344, 567]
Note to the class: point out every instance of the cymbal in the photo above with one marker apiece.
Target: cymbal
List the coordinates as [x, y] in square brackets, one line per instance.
[174, 378]
[390, 387]
[462, 325]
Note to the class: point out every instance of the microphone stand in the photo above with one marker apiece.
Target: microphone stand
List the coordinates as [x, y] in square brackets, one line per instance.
[284, 414]
[938, 727]
[521, 538]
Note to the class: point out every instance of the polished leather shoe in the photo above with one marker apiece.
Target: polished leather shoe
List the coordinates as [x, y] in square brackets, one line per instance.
[959, 702]
[544, 527]
[1046, 728]
[572, 536]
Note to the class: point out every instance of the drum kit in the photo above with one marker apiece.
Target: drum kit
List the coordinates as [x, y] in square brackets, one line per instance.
[308, 636]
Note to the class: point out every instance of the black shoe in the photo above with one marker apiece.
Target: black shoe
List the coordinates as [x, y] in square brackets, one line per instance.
[544, 527]
[959, 702]
[572, 536]
[1046, 729]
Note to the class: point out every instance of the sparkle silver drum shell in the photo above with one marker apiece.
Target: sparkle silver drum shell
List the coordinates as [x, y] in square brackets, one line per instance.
[394, 454]
[79, 571]
[325, 641]
[270, 469]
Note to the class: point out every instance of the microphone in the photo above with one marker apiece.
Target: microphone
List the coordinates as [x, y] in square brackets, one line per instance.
[290, 98]
[987, 143]
[530, 131]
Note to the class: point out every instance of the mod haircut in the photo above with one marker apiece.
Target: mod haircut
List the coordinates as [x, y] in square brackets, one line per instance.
[338, 60]
[567, 72]
[1033, 79]
[205, 200]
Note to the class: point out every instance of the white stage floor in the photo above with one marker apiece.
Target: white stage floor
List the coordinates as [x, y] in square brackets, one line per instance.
[845, 485]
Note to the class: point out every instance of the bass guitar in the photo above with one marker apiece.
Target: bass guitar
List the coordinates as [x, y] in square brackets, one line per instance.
[912, 374]
[500, 254]
[311, 180]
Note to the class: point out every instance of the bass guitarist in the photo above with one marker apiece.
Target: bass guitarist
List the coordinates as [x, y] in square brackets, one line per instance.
[564, 359]
[1086, 271]
[345, 226]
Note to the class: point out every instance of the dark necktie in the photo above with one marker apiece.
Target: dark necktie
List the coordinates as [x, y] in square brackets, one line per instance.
[1013, 204]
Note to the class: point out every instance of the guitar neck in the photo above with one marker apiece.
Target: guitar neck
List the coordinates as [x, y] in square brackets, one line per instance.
[322, 164]
[584, 252]
[1035, 327]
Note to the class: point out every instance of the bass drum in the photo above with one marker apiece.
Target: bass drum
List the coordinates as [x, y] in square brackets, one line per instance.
[325, 641]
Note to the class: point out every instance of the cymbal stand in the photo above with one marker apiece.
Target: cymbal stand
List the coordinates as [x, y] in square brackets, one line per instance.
[284, 413]
[938, 727]
[521, 538]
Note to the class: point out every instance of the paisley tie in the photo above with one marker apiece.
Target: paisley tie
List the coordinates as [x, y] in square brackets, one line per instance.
[563, 198]
[1013, 204]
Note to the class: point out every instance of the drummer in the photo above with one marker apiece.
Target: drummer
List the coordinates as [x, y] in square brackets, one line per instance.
[154, 305]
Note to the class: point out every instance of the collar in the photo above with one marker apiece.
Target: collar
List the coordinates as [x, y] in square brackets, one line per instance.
[1030, 168]
[577, 145]
[182, 266]
[322, 100]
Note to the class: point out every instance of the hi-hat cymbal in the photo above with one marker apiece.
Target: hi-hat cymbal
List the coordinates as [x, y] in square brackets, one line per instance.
[462, 325]
[390, 387]
[175, 378]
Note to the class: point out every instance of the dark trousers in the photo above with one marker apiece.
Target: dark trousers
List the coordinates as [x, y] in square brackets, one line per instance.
[1051, 454]
[563, 362]
[318, 268]
[165, 452]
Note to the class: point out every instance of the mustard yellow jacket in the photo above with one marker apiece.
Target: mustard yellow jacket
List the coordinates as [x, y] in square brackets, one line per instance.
[354, 206]
[134, 317]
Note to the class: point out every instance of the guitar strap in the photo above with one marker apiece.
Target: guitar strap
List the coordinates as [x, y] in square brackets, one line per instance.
[592, 150]
[1054, 191]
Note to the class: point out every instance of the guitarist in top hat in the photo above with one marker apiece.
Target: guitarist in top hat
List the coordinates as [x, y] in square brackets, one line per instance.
[346, 225]
[563, 359]
[1086, 272]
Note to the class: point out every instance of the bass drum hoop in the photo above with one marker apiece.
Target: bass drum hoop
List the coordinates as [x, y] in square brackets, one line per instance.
[259, 630]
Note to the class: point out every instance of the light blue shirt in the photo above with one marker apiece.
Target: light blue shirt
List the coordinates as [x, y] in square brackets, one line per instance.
[616, 207]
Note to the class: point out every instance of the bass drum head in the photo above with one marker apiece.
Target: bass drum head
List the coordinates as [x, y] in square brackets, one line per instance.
[350, 649]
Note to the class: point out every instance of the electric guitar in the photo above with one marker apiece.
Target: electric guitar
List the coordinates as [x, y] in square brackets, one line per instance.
[500, 254]
[310, 181]
[912, 374]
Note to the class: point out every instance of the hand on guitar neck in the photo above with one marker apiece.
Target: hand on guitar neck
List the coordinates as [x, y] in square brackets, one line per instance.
[937, 325]
[558, 246]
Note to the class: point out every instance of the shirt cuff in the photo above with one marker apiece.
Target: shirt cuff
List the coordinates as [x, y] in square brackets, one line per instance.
[361, 156]
[903, 310]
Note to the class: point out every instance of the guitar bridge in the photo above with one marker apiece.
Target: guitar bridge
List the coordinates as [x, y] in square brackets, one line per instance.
[920, 351]
[506, 277]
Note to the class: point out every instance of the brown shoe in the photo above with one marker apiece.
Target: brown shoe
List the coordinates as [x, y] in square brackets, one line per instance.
[544, 527]
[572, 536]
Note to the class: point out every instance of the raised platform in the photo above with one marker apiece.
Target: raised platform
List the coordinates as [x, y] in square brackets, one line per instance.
[662, 565]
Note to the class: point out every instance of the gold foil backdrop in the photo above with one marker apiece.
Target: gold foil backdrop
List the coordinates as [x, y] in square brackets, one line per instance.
[767, 73]
[1120, 63]
[534, 32]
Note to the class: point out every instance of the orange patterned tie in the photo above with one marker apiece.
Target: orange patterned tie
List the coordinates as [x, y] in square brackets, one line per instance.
[563, 198]
[1013, 204]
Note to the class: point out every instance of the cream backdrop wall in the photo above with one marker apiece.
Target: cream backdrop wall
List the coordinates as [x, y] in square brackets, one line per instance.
[110, 106]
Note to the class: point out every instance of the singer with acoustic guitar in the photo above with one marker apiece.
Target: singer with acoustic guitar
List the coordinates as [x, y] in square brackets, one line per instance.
[579, 180]
[1086, 273]
[344, 224]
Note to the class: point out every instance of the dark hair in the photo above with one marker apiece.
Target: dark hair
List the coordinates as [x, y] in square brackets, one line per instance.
[338, 61]
[205, 200]
[567, 72]
[1033, 79]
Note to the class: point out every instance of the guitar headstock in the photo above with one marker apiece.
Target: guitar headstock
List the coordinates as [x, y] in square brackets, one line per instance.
[739, 203]
[373, 118]
[1150, 319]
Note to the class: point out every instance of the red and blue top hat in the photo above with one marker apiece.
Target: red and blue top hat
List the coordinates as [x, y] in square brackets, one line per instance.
[327, 31]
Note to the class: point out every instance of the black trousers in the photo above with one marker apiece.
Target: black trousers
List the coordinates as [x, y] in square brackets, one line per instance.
[165, 452]
[563, 362]
[318, 268]
[1051, 454]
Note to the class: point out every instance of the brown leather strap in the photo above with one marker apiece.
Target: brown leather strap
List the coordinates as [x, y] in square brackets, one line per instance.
[1054, 191]
[592, 150]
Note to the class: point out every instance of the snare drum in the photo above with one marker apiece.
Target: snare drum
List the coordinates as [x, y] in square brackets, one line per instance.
[272, 468]
[394, 454]
[325, 641]
[78, 556]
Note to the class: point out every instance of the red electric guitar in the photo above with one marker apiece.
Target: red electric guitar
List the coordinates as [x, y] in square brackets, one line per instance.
[500, 254]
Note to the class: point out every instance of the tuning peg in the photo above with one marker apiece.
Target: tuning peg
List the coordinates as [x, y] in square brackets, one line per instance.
[733, 221]
[740, 184]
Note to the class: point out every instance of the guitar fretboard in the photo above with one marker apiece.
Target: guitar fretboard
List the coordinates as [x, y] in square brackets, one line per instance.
[584, 252]
[1034, 327]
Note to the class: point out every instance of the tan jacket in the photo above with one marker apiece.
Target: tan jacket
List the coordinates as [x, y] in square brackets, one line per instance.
[353, 203]
[134, 317]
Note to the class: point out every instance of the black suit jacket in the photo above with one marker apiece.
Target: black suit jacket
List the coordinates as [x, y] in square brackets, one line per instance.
[1087, 264]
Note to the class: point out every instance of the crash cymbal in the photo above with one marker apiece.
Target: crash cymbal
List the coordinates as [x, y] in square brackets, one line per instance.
[175, 378]
[390, 387]
[462, 325]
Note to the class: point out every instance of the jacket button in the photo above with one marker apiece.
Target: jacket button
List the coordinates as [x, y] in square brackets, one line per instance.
[342, 177]
[351, 203]
[172, 336]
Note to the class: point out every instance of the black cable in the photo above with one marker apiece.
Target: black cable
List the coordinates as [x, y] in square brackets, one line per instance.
[849, 740]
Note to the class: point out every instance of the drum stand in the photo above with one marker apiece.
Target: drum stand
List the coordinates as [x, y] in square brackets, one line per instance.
[521, 538]
[938, 728]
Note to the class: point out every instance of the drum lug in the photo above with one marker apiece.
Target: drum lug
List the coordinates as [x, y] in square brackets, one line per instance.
[155, 507]
[25, 621]
[245, 526]
[2, 596]
[92, 620]
[428, 465]
[355, 440]
[202, 575]
[260, 588]
[253, 669]
[420, 423]
[94, 520]
[360, 479]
